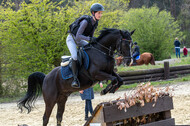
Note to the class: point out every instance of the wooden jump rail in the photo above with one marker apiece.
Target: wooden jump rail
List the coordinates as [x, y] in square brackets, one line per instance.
[154, 74]
[108, 114]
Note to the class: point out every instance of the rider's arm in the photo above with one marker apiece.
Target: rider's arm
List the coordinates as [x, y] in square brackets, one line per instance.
[79, 35]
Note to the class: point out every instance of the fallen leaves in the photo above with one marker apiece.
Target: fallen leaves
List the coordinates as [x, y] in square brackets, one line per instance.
[144, 93]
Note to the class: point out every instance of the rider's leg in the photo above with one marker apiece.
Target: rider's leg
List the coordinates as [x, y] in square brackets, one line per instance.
[134, 58]
[73, 50]
[75, 83]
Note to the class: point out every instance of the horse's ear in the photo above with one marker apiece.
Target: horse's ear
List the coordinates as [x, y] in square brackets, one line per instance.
[132, 32]
[121, 32]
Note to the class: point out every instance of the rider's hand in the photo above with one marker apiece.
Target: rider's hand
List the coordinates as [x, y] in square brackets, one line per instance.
[101, 85]
[81, 91]
[93, 40]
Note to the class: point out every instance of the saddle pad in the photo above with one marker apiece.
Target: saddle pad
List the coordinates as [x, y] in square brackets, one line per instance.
[138, 57]
[66, 71]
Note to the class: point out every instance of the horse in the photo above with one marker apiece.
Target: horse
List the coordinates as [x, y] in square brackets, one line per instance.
[56, 90]
[119, 61]
[145, 58]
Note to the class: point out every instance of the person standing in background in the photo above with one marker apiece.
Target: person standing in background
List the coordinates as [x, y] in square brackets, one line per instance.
[88, 95]
[177, 47]
[185, 51]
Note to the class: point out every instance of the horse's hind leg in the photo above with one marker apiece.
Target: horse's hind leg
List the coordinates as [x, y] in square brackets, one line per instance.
[50, 97]
[61, 109]
[48, 109]
[47, 113]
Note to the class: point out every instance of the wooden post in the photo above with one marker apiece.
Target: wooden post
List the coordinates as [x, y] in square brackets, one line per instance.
[166, 70]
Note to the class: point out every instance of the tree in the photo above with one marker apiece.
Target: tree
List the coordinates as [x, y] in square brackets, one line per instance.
[155, 30]
[34, 37]
[184, 19]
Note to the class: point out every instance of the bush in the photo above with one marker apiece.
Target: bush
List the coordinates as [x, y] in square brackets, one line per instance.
[155, 30]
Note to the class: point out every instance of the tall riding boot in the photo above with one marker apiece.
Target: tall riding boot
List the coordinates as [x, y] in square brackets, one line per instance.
[75, 83]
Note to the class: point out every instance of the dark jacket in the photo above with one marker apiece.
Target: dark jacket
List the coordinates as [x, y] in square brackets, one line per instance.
[88, 30]
[87, 94]
[177, 43]
[136, 49]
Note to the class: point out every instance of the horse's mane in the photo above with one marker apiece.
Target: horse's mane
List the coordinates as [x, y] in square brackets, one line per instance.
[106, 31]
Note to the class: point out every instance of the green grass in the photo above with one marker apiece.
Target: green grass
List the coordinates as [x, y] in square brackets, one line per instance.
[181, 61]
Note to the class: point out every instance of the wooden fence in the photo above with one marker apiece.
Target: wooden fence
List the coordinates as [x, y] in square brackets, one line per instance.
[167, 72]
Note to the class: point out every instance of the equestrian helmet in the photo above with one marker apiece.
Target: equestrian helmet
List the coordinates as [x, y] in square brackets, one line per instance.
[96, 7]
[135, 43]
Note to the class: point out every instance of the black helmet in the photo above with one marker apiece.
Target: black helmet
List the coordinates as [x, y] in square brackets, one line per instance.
[96, 7]
[135, 43]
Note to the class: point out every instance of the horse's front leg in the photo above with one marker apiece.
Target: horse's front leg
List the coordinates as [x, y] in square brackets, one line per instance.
[105, 76]
[117, 85]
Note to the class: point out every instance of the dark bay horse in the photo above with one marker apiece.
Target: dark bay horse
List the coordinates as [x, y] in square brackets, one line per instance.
[145, 58]
[56, 90]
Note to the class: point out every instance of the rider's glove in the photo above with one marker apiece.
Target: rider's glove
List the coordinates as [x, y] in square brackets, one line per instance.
[93, 40]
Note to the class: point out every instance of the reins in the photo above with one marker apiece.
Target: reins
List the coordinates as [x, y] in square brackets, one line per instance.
[119, 53]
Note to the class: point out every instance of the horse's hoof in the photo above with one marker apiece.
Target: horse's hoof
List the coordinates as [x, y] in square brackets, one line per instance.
[113, 90]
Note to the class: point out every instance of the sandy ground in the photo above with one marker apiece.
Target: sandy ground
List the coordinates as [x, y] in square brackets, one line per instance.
[74, 112]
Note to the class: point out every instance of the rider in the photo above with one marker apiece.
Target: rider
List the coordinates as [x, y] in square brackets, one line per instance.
[83, 34]
[136, 52]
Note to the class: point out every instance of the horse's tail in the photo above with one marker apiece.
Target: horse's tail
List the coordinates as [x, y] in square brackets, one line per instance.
[35, 82]
[152, 60]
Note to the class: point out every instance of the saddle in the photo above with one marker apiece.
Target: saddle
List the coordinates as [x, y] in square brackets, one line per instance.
[81, 55]
[138, 57]
[83, 62]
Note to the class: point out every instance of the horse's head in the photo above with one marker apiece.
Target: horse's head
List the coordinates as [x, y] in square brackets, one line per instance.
[124, 46]
[114, 39]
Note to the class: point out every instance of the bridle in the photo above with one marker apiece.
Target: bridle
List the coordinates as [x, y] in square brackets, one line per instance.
[119, 52]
